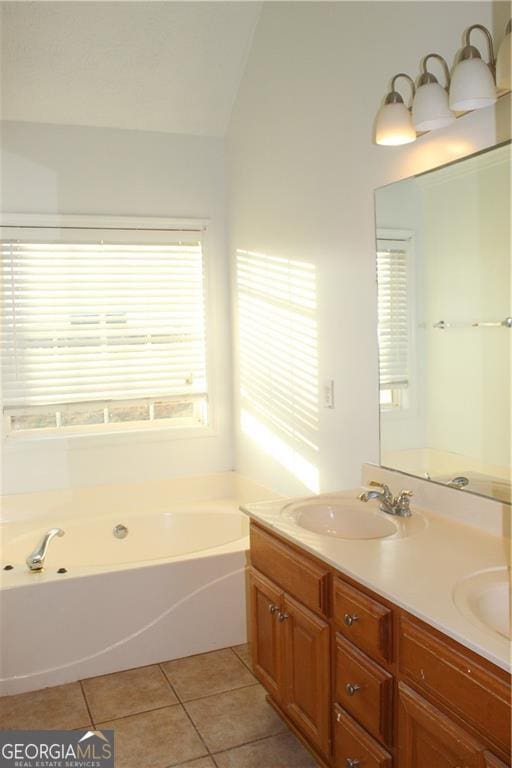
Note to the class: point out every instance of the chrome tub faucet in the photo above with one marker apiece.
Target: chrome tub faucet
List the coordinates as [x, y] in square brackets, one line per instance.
[392, 505]
[35, 560]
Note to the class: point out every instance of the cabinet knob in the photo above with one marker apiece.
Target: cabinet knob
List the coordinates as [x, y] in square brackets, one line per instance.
[273, 608]
[352, 688]
[349, 619]
[283, 616]
[351, 762]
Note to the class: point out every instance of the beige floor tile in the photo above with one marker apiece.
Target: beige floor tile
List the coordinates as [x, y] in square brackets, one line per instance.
[127, 693]
[59, 708]
[244, 653]
[203, 762]
[233, 718]
[207, 674]
[283, 751]
[158, 739]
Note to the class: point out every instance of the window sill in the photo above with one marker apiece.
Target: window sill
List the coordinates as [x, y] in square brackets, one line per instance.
[125, 435]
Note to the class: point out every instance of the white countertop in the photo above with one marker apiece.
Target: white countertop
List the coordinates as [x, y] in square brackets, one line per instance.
[418, 572]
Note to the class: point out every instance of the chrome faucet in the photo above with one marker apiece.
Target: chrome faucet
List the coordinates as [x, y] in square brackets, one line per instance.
[35, 560]
[392, 505]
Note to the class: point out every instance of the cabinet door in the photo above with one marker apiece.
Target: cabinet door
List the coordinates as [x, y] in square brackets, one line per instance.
[491, 761]
[428, 738]
[307, 665]
[266, 633]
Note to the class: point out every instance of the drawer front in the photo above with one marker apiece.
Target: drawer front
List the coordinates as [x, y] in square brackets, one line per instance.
[295, 573]
[353, 747]
[363, 620]
[364, 690]
[457, 681]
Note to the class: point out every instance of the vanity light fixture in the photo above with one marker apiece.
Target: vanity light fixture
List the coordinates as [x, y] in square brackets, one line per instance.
[473, 85]
[430, 109]
[504, 61]
[393, 125]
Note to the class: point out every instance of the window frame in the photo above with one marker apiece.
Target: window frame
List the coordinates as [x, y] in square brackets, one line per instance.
[139, 430]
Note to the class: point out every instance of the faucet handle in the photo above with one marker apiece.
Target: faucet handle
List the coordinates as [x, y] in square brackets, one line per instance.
[385, 488]
[402, 502]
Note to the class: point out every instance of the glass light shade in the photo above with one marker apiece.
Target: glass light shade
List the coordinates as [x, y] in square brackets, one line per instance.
[472, 86]
[394, 125]
[504, 65]
[430, 108]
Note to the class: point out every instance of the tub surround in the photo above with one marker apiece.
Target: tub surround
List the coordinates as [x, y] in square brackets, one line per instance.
[417, 573]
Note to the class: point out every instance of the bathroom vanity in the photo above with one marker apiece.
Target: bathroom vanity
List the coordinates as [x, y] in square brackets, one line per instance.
[364, 682]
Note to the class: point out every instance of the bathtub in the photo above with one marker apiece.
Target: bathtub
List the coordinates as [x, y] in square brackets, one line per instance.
[174, 586]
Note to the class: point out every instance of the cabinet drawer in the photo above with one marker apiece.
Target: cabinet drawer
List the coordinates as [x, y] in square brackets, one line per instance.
[364, 689]
[295, 573]
[456, 680]
[363, 620]
[354, 747]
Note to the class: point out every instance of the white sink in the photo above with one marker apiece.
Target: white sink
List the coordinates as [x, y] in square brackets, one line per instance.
[344, 516]
[484, 599]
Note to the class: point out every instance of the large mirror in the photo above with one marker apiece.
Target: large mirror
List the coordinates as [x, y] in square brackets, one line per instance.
[445, 324]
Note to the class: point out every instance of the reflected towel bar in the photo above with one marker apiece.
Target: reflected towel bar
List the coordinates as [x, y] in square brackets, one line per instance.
[506, 323]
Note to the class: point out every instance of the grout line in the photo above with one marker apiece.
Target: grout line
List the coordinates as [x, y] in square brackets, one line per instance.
[86, 702]
[220, 693]
[246, 664]
[142, 712]
[254, 741]
[182, 704]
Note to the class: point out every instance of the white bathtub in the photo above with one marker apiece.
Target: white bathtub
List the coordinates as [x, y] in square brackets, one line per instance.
[173, 587]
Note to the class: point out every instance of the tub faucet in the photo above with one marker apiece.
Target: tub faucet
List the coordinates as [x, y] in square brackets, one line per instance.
[392, 505]
[35, 560]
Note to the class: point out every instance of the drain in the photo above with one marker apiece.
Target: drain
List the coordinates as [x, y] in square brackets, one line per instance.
[62, 570]
[120, 531]
[8, 567]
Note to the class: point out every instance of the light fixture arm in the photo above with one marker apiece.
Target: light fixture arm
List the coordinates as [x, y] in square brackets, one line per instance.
[468, 48]
[427, 77]
[394, 97]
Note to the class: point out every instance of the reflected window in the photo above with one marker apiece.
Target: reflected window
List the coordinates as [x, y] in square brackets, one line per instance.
[393, 269]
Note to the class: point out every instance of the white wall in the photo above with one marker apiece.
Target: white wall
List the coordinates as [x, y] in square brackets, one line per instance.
[73, 170]
[302, 169]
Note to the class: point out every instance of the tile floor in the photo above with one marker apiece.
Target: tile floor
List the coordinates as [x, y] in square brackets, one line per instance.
[205, 711]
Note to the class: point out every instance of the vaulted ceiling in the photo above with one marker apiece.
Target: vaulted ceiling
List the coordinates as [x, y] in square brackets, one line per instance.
[159, 66]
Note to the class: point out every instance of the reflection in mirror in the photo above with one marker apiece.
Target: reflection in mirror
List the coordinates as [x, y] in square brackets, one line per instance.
[444, 324]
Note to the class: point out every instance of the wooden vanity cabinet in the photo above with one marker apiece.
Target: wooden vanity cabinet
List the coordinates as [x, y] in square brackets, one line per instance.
[363, 683]
[428, 738]
[291, 658]
[267, 654]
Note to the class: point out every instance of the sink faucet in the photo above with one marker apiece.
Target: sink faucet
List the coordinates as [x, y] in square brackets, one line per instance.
[392, 505]
[35, 560]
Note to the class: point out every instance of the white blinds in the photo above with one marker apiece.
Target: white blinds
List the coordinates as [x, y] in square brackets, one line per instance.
[393, 314]
[96, 315]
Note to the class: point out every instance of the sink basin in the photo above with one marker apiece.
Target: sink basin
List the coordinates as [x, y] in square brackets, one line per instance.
[344, 516]
[484, 599]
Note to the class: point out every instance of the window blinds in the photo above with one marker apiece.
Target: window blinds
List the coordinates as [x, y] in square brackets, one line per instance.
[93, 315]
[393, 314]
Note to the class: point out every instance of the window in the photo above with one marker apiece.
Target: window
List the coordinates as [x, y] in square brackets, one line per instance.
[393, 321]
[101, 328]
